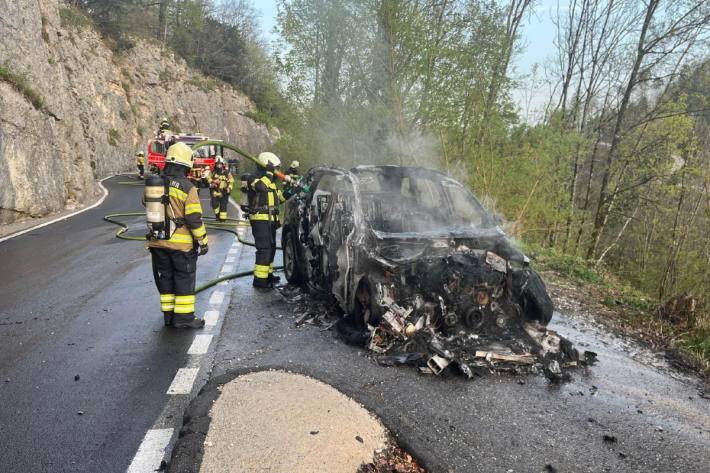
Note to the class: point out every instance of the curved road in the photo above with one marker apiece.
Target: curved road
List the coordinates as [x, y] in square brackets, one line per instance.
[76, 302]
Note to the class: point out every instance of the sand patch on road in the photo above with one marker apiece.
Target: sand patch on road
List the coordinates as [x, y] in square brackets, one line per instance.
[273, 421]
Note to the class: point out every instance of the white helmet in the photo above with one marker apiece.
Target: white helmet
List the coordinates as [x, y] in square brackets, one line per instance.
[219, 159]
[295, 164]
[269, 158]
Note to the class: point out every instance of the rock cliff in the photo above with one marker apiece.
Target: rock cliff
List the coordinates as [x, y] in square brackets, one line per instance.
[73, 111]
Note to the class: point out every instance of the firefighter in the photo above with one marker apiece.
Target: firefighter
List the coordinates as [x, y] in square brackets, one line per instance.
[221, 185]
[292, 171]
[264, 220]
[175, 258]
[165, 133]
[140, 163]
[290, 187]
[164, 126]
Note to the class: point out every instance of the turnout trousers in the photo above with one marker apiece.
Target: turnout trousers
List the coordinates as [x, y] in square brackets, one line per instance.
[219, 205]
[264, 233]
[174, 273]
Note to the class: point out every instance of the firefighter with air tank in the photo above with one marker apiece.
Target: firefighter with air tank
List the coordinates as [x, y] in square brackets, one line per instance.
[221, 184]
[263, 205]
[176, 236]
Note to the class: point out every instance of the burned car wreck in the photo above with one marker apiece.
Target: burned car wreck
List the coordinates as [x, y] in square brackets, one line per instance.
[423, 273]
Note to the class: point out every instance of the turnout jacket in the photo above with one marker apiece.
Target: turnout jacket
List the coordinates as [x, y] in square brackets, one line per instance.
[221, 183]
[186, 212]
[267, 198]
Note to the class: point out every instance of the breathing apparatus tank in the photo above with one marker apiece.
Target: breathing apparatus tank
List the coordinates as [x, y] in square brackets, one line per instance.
[156, 208]
[248, 196]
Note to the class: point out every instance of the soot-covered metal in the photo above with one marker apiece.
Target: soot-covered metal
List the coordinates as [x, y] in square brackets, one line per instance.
[423, 272]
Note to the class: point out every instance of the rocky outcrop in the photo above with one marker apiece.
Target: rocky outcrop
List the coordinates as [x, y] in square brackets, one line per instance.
[82, 111]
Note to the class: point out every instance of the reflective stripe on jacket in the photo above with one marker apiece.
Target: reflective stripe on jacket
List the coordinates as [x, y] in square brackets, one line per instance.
[267, 200]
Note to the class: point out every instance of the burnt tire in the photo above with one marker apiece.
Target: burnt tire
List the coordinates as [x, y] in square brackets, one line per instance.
[293, 272]
[530, 290]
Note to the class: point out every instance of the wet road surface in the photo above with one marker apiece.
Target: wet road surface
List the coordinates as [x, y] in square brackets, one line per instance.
[653, 417]
[76, 301]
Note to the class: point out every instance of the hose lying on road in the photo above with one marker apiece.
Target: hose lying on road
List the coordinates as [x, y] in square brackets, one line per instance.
[226, 226]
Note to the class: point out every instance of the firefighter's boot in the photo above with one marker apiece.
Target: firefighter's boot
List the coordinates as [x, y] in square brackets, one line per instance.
[168, 318]
[187, 321]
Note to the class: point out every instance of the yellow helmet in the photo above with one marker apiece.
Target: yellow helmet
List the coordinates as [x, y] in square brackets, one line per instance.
[295, 164]
[269, 158]
[181, 154]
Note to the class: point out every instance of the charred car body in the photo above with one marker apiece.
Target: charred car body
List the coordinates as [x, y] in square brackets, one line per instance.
[411, 255]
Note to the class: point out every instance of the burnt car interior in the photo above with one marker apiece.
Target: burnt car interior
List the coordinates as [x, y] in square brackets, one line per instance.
[399, 202]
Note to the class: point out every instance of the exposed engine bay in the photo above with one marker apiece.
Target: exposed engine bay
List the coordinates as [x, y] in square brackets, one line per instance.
[423, 273]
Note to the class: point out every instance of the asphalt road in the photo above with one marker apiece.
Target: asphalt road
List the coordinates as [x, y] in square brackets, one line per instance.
[655, 418]
[76, 301]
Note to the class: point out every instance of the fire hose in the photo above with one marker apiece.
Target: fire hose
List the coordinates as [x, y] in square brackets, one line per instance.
[226, 226]
[221, 226]
[280, 175]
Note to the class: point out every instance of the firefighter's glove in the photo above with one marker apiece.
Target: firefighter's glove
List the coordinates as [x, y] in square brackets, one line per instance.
[289, 192]
[203, 249]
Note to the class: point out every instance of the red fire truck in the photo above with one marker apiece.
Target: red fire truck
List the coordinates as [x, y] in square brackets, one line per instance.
[203, 165]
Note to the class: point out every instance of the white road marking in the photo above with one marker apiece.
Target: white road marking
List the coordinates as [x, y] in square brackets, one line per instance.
[183, 381]
[95, 204]
[200, 344]
[151, 451]
[211, 318]
[228, 268]
[217, 298]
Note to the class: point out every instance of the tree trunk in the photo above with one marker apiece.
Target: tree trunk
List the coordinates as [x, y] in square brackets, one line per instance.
[162, 31]
[603, 202]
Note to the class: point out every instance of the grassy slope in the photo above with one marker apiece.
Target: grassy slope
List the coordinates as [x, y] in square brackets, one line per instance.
[624, 308]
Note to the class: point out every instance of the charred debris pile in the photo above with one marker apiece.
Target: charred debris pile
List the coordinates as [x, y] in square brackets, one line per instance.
[470, 312]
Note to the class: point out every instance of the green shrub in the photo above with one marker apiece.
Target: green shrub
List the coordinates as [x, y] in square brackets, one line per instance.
[166, 76]
[698, 346]
[260, 116]
[20, 83]
[567, 265]
[70, 17]
[113, 136]
[205, 85]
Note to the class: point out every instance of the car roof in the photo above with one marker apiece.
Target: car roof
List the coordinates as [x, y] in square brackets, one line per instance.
[399, 170]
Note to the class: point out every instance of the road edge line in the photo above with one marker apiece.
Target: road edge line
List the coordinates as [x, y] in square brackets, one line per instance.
[59, 219]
